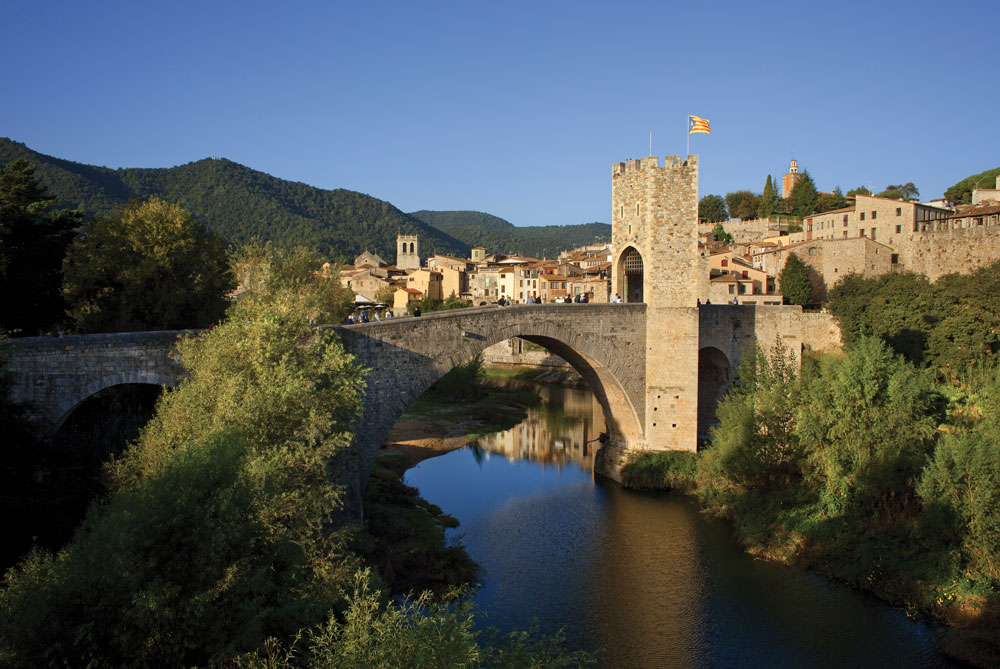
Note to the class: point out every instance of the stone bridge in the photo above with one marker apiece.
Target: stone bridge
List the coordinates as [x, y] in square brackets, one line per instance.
[607, 343]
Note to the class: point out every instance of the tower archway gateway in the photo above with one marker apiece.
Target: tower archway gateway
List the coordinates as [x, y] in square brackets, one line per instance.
[630, 272]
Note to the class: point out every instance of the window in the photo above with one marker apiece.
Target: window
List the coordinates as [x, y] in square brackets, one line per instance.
[745, 275]
[636, 208]
[899, 211]
[873, 235]
[731, 290]
[862, 216]
[862, 232]
[725, 263]
[845, 220]
[899, 228]
[845, 234]
[743, 289]
[874, 215]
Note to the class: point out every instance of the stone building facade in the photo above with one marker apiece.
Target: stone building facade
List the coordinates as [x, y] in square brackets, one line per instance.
[407, 252]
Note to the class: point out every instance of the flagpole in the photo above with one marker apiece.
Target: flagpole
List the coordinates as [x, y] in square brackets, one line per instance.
[689, 138]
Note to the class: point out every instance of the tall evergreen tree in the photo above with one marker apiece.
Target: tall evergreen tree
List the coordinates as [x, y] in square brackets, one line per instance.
[793, 281]
[803, 197]
[768, 200]
[33, 241]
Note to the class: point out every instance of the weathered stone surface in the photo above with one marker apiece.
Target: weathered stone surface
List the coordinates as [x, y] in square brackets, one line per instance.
[53, 375]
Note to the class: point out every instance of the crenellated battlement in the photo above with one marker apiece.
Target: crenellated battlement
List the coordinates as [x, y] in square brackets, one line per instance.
[634, 165]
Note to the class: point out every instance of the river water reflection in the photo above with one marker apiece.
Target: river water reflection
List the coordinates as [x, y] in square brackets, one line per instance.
[645, 577]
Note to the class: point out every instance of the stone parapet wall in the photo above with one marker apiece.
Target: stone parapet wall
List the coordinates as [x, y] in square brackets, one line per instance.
[52, 375]
[939, 252]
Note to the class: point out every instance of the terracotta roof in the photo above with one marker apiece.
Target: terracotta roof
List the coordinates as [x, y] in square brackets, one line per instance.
[842, 210]
[981, 209]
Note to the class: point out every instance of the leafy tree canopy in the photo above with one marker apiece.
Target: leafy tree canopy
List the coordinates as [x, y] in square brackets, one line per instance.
[962, 191]
[216, 531]
[860, 190]
[721, 235]
[905, 191]
[793, 281]
[831, 201]
[150, 267]
[712, 209]
[742, 204]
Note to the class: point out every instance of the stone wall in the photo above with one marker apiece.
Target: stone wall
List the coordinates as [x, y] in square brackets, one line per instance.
[655, 211]
[53, 375]
[939, 252]
[405, 356]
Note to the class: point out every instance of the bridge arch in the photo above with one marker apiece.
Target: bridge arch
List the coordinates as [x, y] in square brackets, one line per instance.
[630, 269]
[69, 403]
[715, 375]
[604, 343]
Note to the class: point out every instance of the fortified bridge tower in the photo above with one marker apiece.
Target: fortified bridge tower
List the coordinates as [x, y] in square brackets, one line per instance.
[655, 260]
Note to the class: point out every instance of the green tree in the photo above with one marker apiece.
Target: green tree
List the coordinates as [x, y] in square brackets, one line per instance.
[150, 267]
[794, 283]
[803, 197]
[712, 209]
[216, 532]
[754, 446]
[867, 421]
[33, 241]
[960, 487]
[962, 191]
[386, 294]
[860, 190]
[831, 201]
[742, 204]
[768, 204]
[721, 235]
[905, 191]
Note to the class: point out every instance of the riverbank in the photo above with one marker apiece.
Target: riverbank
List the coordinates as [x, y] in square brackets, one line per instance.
[404, 535]
[870, 553]
[436, 423]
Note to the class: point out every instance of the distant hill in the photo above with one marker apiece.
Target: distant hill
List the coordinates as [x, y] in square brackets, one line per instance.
[499, 236]
[239, 203]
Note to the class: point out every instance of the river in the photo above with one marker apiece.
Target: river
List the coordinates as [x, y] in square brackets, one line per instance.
[644, 578]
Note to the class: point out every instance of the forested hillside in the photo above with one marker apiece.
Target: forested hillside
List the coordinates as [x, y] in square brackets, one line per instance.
[239, 203]
[499, 236]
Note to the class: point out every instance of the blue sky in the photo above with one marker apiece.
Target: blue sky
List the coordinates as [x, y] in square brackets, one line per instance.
[516, 109]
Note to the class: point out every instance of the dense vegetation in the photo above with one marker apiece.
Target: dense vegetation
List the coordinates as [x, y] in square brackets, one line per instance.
[217, 541]
[962, 191]
[879, 465]
[148, 267]
[33, 242]
[240, 204]
[498, 236]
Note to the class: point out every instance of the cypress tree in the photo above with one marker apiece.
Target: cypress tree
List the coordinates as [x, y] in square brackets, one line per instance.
[768, 199]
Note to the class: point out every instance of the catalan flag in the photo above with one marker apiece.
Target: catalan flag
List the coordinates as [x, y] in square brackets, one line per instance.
[698, 124]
